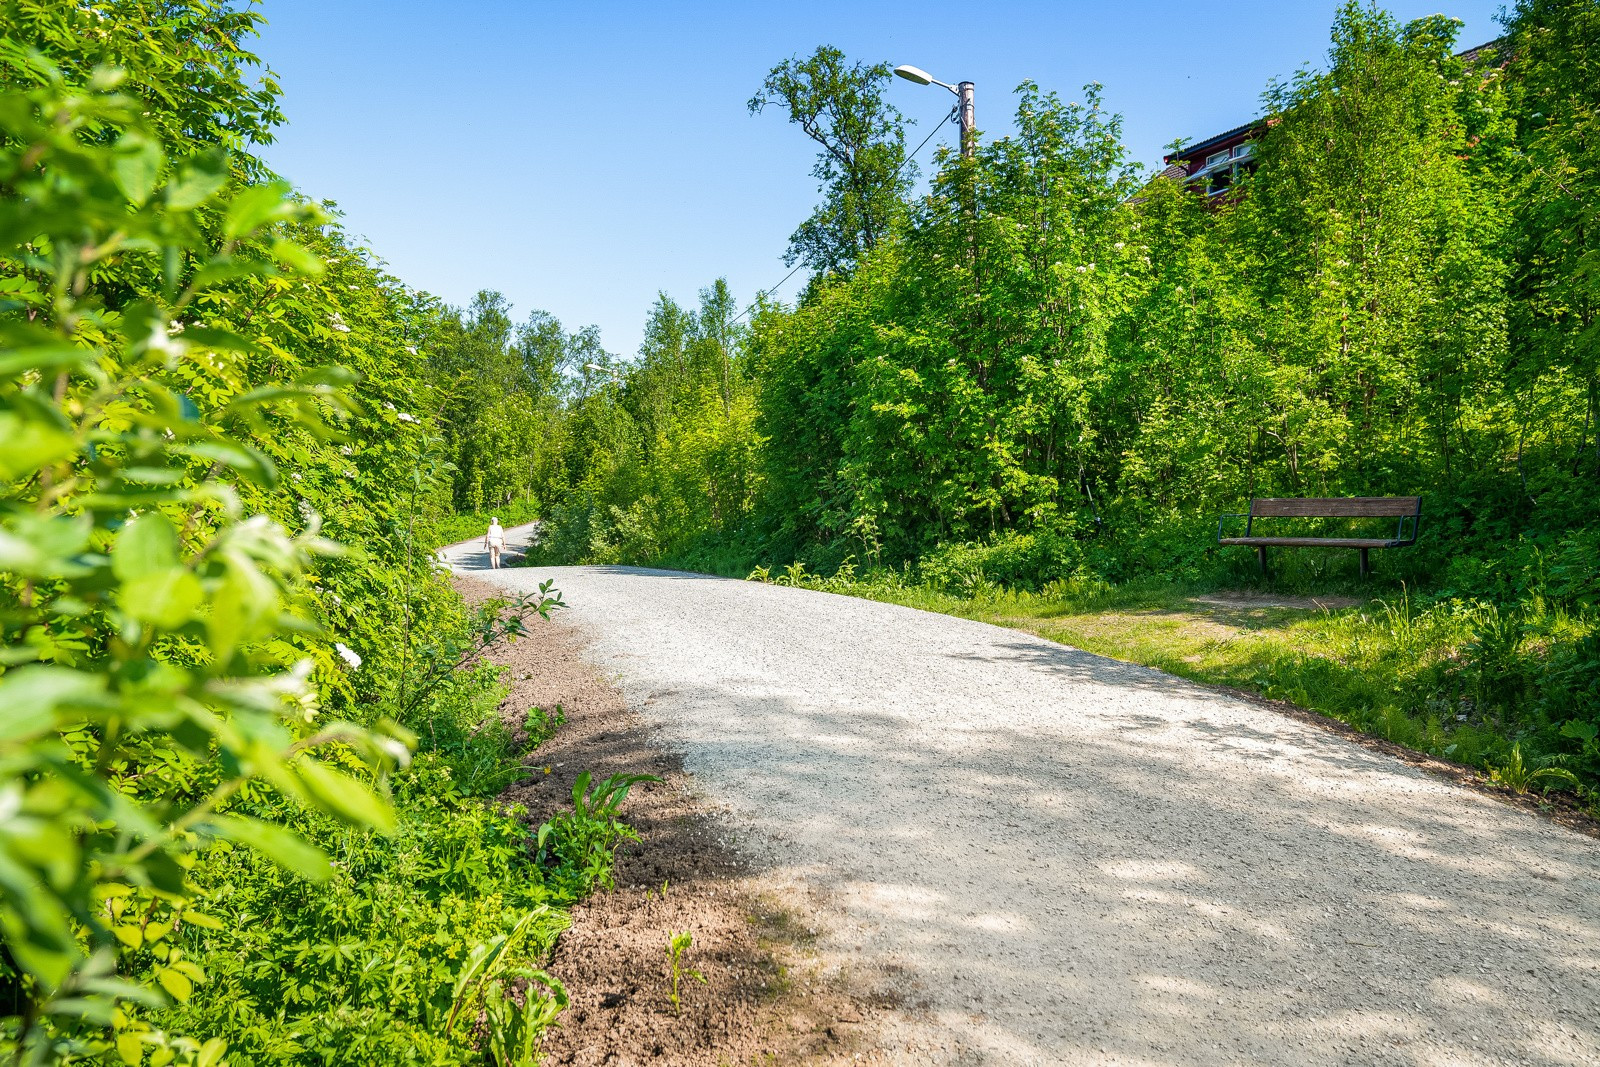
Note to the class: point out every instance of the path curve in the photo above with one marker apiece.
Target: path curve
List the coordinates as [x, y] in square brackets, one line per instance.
[1073, 860]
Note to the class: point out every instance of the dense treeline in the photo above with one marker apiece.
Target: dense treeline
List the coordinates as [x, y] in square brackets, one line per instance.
[226, 445]
[1053, 367]
[624, 461]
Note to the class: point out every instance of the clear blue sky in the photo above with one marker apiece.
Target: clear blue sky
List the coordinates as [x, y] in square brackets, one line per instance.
[580, 156]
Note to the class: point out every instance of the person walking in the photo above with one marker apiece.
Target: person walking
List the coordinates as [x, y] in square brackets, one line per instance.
[494, 541]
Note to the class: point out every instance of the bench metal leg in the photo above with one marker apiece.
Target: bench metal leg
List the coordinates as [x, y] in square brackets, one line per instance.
[1366, 567]
[1261, 557]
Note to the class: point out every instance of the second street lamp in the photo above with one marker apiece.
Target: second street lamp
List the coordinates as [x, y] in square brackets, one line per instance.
[964, 111]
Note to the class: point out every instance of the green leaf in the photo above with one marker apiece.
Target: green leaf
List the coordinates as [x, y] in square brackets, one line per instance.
[243, 601]
[166, 599]
[211, 1053]
[31, 445]
[219, 271]
[34, 696]
[250, 462]
[130, 1047]
[175, 982]
[277, 844]
[37, 546]
[256, 206]
[43, 358]
[343, 796]
[137, 166]
[148, 545]
[194, 187]
[297, 258]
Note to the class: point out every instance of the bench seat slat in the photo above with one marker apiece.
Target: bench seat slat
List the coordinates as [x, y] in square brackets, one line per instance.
[1314, 542]
[1355, 507]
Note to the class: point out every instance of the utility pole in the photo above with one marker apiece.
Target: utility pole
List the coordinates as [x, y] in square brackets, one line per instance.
[969, 125]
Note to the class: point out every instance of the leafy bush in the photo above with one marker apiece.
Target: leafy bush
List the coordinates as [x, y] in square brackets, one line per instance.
[196, 849]
[362, 968]
[1012, 559]
[157, 666]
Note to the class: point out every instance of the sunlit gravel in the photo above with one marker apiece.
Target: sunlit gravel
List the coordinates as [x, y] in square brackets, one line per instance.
[1060, 858]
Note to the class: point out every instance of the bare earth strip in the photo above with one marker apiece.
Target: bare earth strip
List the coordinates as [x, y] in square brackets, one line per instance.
[1067, 859]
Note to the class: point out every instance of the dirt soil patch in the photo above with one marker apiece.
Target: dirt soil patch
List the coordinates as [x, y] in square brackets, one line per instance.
[765, 999]
[1247, 601]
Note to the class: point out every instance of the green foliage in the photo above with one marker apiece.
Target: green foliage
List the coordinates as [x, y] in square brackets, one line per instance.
[1518, 777]
[579, 849]
[677, 945]
[158, 643]
[668, 455]
[212, 845]
[1051, 369]
[432, 666]
[861, 169]
[375, 965]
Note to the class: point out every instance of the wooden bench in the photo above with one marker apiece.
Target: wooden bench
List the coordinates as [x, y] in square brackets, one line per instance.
[1407, 509]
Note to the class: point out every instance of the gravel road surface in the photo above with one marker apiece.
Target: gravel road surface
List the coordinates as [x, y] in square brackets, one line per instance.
[1064, 859]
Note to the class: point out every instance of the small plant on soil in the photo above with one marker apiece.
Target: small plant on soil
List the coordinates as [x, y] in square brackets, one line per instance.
[486, 987]
[541, 725]
[677, 945]
[1517, 776]
[580, 848]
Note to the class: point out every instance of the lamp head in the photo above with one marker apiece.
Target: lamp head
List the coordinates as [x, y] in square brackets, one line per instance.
[914, 74]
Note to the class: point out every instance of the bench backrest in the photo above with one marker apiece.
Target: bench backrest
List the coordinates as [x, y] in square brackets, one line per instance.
[1353, 507]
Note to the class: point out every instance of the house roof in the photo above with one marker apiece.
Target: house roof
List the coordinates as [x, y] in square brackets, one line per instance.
[1468, 56]
[1496, 45]
[1201, 146]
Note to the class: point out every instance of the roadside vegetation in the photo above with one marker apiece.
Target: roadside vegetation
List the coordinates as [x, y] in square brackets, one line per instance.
[249, 751]
[1031, 391]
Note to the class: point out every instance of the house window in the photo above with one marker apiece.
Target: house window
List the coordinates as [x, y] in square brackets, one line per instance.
[1245, 151]
[1216, 157]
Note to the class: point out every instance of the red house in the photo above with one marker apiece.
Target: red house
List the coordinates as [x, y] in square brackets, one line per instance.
[1212, 166]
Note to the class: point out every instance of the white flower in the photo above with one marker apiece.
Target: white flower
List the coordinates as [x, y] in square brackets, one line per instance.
[388, 405]
[347, 654]
[1081, 269]
[341, 327]
[346, 450]
[1118, 246]
[412, 349]
[406, 417]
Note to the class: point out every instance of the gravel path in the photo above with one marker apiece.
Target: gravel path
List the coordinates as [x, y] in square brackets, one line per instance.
[1067, 859]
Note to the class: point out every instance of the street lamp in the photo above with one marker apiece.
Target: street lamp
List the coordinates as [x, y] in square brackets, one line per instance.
[963, 91]
[607, 375]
